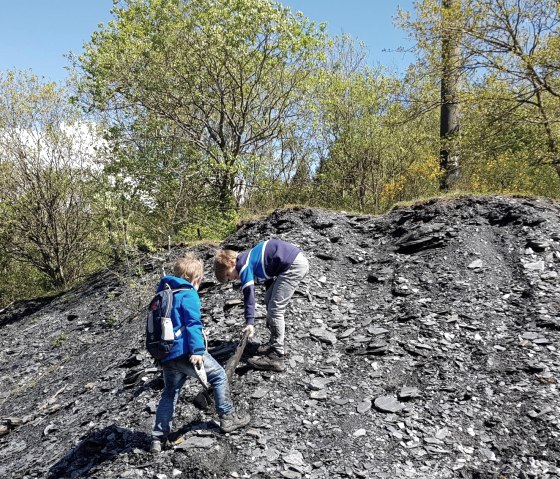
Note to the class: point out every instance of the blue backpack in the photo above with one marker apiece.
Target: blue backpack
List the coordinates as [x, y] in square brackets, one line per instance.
[160, 336]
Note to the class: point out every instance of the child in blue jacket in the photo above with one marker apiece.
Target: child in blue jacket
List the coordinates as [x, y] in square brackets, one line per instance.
[188, 352]
[280, 266]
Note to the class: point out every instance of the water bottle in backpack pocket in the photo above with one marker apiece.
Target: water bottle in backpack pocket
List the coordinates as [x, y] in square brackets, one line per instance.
[167, 329]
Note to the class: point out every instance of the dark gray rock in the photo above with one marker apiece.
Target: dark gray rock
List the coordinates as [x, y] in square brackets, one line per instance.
[478, 345]
[323, 335]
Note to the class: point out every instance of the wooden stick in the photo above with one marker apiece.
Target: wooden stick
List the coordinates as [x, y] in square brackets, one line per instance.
[234, 360]
[203, 399]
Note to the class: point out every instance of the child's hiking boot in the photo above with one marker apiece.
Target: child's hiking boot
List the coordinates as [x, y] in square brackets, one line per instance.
[252, 347]
[264, 350]
[233, 421]
[271, 362]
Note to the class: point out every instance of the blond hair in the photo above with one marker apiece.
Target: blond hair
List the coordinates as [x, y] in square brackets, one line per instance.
[189, 267]
[223, 262]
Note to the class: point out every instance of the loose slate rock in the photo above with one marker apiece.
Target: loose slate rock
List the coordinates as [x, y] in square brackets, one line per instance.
[196, 442]
[319, 395]
[377, 331]
[294, 458]
[325, 256]
[364, 406]
[388, 404]
[488, 454]
[259, 393]
[323, 335]
[290, 474]
[346, 333]
[549, 275]
[408, 393]
[316, 384]
[272, 454]
[536, 266]
[476, 264]
[538, 244]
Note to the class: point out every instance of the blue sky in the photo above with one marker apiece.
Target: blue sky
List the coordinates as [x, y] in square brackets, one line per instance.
[35, 34]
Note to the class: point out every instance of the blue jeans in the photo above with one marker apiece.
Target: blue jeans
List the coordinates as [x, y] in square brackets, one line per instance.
[175, 373]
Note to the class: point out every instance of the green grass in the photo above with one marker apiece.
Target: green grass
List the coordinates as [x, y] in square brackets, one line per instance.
[457, 194]
[59, 340]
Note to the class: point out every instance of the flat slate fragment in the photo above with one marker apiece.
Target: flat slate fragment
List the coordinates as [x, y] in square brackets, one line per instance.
[259, 393]
[294, 458]
[376, 331]
[388, 404]
[476, 264]
[535, 266]
[319, 395]
[316, 384]
[364, 406]
[195, 442]
[408, 393]
[323, 335]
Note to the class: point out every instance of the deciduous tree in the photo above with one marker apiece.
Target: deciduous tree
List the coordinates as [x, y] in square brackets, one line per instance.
[228, 74]
[47, 198]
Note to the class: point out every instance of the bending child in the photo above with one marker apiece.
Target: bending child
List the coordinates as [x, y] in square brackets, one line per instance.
[280, 266]
[189, 351]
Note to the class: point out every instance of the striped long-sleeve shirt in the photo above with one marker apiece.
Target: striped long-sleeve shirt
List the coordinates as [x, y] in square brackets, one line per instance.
[264, 261]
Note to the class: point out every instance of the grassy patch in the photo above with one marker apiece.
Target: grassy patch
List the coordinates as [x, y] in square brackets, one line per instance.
[59, 340]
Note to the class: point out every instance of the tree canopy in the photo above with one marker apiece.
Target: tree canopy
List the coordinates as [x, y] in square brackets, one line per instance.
[227, 75]
[185, 116]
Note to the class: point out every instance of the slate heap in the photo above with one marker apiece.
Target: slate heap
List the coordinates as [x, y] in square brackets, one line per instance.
[423, 343]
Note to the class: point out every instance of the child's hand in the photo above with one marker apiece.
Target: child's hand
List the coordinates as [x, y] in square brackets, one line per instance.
[250, 329]
[196, 359]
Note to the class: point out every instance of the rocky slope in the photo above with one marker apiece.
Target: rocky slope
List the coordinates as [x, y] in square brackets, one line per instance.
[423, 343]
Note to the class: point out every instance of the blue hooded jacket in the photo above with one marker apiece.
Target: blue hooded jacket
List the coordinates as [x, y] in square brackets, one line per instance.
[185, 313]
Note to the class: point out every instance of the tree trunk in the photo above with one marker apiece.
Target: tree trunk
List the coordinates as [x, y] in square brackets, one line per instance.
[449, 113]
[226, 195]
[551, 143]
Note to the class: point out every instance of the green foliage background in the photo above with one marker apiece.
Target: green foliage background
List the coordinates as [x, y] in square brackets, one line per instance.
[207, 112]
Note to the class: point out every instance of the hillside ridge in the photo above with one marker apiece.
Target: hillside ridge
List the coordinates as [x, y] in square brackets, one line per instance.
[423, 343]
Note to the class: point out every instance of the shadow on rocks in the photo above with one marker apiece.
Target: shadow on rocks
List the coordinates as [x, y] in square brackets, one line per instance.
[221, 350]
[96, 448]
[156, 384]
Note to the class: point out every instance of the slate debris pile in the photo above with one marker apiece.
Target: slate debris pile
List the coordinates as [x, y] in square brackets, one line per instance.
[424, 343]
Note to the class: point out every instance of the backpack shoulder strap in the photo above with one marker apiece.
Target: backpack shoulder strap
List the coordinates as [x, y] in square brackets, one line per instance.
[170, 304]
[169, 295]
[173, 291]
